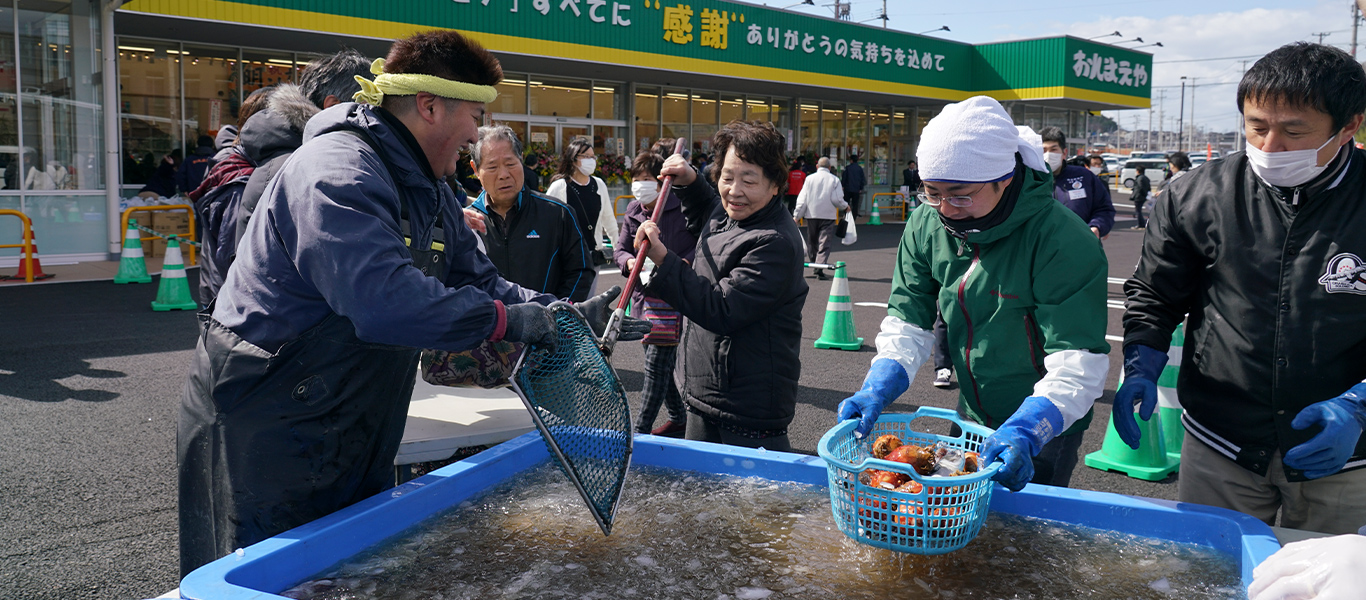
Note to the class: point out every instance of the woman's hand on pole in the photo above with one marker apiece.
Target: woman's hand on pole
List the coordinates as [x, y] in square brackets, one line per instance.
[678, 167]
[649, 230]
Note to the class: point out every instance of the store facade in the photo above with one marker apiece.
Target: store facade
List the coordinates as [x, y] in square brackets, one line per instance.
[621, 73]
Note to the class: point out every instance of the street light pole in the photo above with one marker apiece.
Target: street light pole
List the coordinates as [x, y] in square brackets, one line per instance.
[1181, 120]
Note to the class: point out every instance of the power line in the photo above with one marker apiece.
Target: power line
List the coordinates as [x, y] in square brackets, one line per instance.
[1160, 62]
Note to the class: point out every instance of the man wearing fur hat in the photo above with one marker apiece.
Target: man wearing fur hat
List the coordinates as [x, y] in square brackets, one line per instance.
[1021, 283]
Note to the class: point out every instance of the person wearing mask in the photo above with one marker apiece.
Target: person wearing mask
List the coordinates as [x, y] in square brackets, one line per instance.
[854, 181]
[300, 383]
[587, 194]
[535, 242]
[795, 178]
[1178, 163]
[820, 201]
[1142, 187]
[661, 345]
[1096, 165]
[1261, 254]
[1021, 284]
[1077, 188]
[742, 295]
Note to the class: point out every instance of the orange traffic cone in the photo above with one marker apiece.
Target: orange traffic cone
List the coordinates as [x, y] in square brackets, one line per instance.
[24, 265]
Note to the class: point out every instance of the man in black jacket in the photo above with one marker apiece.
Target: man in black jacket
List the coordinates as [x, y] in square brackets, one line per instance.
[854, 180]
[532, 240]
[1142, 187]
[1263, 251]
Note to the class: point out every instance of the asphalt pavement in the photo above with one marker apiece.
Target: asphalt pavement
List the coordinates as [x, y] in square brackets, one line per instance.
[90, 381]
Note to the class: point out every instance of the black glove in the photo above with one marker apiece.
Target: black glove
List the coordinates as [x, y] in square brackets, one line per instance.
[530, 323]
[598, 309]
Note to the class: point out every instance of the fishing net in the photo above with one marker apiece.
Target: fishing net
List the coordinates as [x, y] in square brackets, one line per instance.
[580, 408]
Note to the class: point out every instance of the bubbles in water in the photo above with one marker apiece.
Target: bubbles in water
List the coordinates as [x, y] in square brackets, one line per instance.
[752, 593]
[1161, 585]
[701, 537]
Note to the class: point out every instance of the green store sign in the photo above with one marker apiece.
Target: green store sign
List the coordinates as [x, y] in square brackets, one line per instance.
[725, 38]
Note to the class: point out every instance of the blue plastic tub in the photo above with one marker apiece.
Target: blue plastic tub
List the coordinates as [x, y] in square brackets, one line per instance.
[262, 570]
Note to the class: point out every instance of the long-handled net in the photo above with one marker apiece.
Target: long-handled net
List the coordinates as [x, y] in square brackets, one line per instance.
[580, 408]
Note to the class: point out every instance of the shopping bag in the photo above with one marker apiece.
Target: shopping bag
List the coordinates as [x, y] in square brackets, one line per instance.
[851, 236]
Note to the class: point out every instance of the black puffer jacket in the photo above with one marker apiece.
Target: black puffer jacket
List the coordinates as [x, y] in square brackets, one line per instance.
[743, 297]
[1273, 284]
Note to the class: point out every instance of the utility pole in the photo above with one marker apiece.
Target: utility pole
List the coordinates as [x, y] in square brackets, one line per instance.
[884, 16]
[1322, 35]
[1193, 126]
[1162, 102]
[1181, 119]
[1356, 19]
[1238, 135]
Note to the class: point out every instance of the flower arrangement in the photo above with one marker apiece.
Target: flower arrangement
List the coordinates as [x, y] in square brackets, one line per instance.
[612, 169]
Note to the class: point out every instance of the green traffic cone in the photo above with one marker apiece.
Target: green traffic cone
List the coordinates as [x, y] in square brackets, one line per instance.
[1167, 402]
[838, 332]
[1150, 462]
[876, 219]
[132, 267]
[174, 291]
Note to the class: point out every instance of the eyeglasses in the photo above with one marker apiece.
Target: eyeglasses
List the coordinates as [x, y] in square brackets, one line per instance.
[958, 201]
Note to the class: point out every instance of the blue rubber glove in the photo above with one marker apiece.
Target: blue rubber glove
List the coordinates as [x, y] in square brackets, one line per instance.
[885, 382]
[1342, 419]
[1142, 367]
[1020, 439]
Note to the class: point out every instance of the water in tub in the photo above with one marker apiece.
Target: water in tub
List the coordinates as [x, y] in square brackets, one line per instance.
[686, 535]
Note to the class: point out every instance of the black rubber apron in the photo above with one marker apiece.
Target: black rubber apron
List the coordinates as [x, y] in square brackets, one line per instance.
[268, 442]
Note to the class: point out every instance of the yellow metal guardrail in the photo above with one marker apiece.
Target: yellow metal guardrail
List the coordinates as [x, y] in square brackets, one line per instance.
[26, 245]
[615, 201]
[904, 202]
[189, 248]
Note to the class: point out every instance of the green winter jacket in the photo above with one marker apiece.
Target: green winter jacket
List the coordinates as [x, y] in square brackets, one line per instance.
[1010, 295]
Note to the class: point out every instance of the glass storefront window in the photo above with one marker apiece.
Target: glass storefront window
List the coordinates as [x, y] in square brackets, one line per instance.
[732, 108]
[675, 113]
[758, 109]
[262, 69]
[810, 131]
[647, 117]
[9, 110]
[511, 95]
[704, 126]
[880, 156]
[211, 99]
[150, 99]
[833, 142]
[559, 97]
[607, 100]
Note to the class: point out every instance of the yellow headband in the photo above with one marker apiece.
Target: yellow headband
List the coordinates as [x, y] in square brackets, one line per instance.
[409, 84]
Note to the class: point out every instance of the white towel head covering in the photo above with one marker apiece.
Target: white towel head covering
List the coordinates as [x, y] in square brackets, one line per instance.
[973, 141]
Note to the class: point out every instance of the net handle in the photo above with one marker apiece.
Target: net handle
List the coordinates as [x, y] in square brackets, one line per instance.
[613, 329]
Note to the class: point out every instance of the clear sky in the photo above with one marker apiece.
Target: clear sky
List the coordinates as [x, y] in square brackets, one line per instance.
[1204, 40]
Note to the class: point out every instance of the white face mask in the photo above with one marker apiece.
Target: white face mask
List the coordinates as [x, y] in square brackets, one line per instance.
[588, 165]
[1095, 170]
[645, 191]
[1054, 160]
[1287, 168]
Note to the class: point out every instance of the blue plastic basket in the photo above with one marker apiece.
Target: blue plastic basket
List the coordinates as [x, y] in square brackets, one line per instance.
[944, 516]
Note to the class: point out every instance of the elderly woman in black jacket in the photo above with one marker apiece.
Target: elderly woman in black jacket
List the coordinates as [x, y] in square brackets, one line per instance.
[742, 294]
